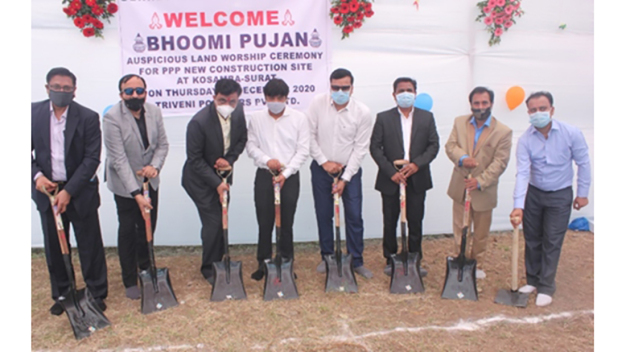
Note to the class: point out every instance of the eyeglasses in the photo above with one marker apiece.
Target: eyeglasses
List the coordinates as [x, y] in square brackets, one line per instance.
[343, 88]
[59, 88]
[129, 91]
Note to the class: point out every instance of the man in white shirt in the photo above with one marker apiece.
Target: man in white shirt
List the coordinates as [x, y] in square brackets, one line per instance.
[278, 143]
[341, 127]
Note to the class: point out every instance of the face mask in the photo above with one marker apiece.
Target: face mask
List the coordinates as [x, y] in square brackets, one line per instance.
[225, 110]
[275, 107]
[134, 104]
[405, 99]
[481, 114]
[340, 97]
[61, 99]
[540, 119]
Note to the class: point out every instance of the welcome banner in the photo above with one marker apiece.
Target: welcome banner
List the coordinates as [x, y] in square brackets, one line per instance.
[182, 47]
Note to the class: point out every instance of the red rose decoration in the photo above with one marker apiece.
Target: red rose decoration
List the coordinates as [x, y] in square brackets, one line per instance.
[354, 6]
[76, 5]
[369, 13]
[98, 24]
[97, 10]
[87, 18]
[89, 32]
[360, 15]
[345, 8]
[90, 3]
[337, 20]
[357, 24]
[347, 29]
[79, 22]
[350, 19]
[112, 8]
[334, 9]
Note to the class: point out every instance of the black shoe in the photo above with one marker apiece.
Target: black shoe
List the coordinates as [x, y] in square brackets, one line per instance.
[423, 272]
[258, 275]
[101, 304]
[56, 309]
[211, 280]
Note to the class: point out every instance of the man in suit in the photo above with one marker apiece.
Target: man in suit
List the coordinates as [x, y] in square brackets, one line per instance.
[65, 153]
[404, 133]
[479, 145]
[136, 146]
[216, 136]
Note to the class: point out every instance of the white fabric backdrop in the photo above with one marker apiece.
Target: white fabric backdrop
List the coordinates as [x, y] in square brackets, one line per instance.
[440, 45]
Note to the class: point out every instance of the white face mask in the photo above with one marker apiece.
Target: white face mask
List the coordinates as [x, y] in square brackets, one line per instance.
[225, 110]
[275, 107]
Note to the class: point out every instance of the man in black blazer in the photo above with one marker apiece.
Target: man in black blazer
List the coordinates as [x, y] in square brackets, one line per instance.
[408, 133]
[65, 153]
[216, 136]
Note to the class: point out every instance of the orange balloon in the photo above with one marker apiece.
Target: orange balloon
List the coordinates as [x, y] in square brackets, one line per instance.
[514, 97]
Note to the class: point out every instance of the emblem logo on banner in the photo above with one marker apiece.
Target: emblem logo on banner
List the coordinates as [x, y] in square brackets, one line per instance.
[181, 49]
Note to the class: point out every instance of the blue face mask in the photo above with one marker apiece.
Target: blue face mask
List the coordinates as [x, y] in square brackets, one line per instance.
[340, 97]
[540, 119]
[405, 99]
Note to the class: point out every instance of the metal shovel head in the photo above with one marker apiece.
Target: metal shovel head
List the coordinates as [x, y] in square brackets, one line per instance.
[161, 298]
[405, 281]
[340, 281]
[280, 286]
[512, 298]
[228, 284]
[84, 314]
[460, 279]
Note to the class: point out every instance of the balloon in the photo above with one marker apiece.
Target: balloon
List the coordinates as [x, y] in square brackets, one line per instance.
[423, 101]
[106, 109]
[514, 97]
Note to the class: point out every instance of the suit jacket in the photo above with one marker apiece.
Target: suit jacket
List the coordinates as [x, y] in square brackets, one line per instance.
[205, 144]
[83, 143]
[492, 154]
[125, 151]
[387, 146]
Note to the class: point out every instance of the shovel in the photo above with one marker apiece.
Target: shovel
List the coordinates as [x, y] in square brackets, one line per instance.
[156, 289]
[84, 314]
[512, 297]
[339, 266]
[228, 279]
[461, 272]
[405, 277]
[279, 281]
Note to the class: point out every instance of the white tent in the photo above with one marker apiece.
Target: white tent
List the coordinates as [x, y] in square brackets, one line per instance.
[441, 46]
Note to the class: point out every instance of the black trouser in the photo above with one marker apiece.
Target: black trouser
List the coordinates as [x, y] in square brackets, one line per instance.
[132, 245]
[265, 213]
[414, 214]
[546, 215]
[90, 251]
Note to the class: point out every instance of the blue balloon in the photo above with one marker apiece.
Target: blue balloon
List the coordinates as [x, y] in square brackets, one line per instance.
[107, 109]
[423, 101]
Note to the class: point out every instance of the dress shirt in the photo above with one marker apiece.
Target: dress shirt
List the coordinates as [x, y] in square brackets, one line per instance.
[225, 123]
[285, 139]
[141, 124]
[407, 126]
[479, 131]
[547, 163]
[57, 145]
[341, 136]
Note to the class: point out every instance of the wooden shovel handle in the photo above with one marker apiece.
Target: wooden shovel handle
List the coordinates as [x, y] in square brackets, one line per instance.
[146, 213]
[514, 257]
[57, 220]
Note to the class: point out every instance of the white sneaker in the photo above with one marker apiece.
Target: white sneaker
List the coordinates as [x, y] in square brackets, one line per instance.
[527, 289]
[480, 274]
[543, 300]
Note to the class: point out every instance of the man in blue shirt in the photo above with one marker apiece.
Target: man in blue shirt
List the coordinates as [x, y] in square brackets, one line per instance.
[543, 191]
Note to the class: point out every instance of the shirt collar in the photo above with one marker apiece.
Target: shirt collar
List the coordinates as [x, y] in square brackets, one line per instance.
[63, 115]
[410, 114]
[487, 122]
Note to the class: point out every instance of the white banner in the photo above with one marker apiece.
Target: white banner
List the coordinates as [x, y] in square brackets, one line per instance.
[182, 47]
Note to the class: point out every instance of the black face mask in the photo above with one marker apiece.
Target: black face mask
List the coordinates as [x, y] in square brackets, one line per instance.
[61, 99]
[134, 104]
[481, 114]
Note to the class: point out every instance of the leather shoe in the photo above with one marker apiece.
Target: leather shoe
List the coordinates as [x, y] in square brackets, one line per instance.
[387, 270]
[56, 309]
[363, 271]
[423, 272]
[258, 274]
[101, 304]
[321, 267]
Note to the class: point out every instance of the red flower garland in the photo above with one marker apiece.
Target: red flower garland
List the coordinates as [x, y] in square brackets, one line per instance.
[350, 14]
[87, 14]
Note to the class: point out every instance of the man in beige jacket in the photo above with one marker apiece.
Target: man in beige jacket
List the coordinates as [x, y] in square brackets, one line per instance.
[479, 145]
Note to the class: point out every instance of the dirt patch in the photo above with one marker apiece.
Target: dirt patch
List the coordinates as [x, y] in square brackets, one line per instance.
[372, 320]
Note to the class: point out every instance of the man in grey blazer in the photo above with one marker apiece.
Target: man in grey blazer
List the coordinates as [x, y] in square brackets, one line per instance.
[216, 136]
[136, 145]
[409, 133]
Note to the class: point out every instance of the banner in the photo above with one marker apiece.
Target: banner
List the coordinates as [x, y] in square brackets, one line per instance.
[182, 47]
